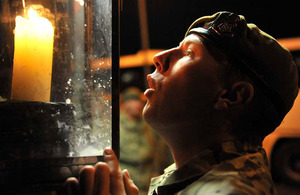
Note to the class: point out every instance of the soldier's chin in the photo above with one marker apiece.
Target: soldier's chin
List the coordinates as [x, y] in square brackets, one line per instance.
[149, 114]
[146, 111]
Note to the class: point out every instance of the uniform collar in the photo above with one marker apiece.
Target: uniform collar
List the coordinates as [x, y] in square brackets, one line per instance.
[200, 164]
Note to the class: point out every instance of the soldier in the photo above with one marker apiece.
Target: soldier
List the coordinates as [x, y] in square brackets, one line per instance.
[213, 99]
[142, 152]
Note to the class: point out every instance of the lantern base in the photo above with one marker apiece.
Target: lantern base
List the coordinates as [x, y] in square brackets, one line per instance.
[34, 146]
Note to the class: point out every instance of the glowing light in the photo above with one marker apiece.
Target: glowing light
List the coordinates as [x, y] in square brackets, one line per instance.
[81, 2]
[32, 69]
[32, 15]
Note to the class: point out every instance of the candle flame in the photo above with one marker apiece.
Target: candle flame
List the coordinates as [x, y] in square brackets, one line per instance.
[34, 18]
[32, 14]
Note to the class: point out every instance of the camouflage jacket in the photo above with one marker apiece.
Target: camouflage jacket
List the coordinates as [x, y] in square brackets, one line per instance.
[231, 168]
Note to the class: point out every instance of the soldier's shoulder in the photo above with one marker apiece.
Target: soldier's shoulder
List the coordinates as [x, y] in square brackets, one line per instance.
[246, 175]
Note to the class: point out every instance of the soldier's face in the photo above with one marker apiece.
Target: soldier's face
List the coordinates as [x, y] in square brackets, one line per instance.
[134, 108]
[184, 86]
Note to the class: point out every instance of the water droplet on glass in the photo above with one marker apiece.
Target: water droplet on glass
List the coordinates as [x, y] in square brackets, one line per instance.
[68, 101]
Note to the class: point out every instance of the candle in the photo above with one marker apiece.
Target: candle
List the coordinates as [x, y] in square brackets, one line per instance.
[32, 69]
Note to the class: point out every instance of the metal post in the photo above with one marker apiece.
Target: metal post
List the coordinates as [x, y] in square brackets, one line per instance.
[144, 36]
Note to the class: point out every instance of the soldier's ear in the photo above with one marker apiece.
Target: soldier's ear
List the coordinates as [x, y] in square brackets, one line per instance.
[240, 94]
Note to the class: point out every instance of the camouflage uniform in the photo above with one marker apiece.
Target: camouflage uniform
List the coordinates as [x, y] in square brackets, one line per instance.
[228, 169]
[142, 152]
[136, 151]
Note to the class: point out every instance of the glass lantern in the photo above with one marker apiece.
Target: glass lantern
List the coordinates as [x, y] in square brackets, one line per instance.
[58, 88]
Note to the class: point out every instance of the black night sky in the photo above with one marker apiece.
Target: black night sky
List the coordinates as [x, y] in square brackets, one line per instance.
[169, 19]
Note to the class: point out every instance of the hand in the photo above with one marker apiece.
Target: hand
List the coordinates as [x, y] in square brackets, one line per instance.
[105, 178]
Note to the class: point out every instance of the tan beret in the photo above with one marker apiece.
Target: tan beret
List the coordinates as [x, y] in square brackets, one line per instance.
[269, 64]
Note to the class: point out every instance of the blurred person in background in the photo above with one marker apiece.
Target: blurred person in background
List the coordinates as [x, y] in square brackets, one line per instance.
[142, 152]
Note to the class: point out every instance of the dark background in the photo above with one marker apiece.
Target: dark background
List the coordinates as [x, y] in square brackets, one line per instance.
[169, 19]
